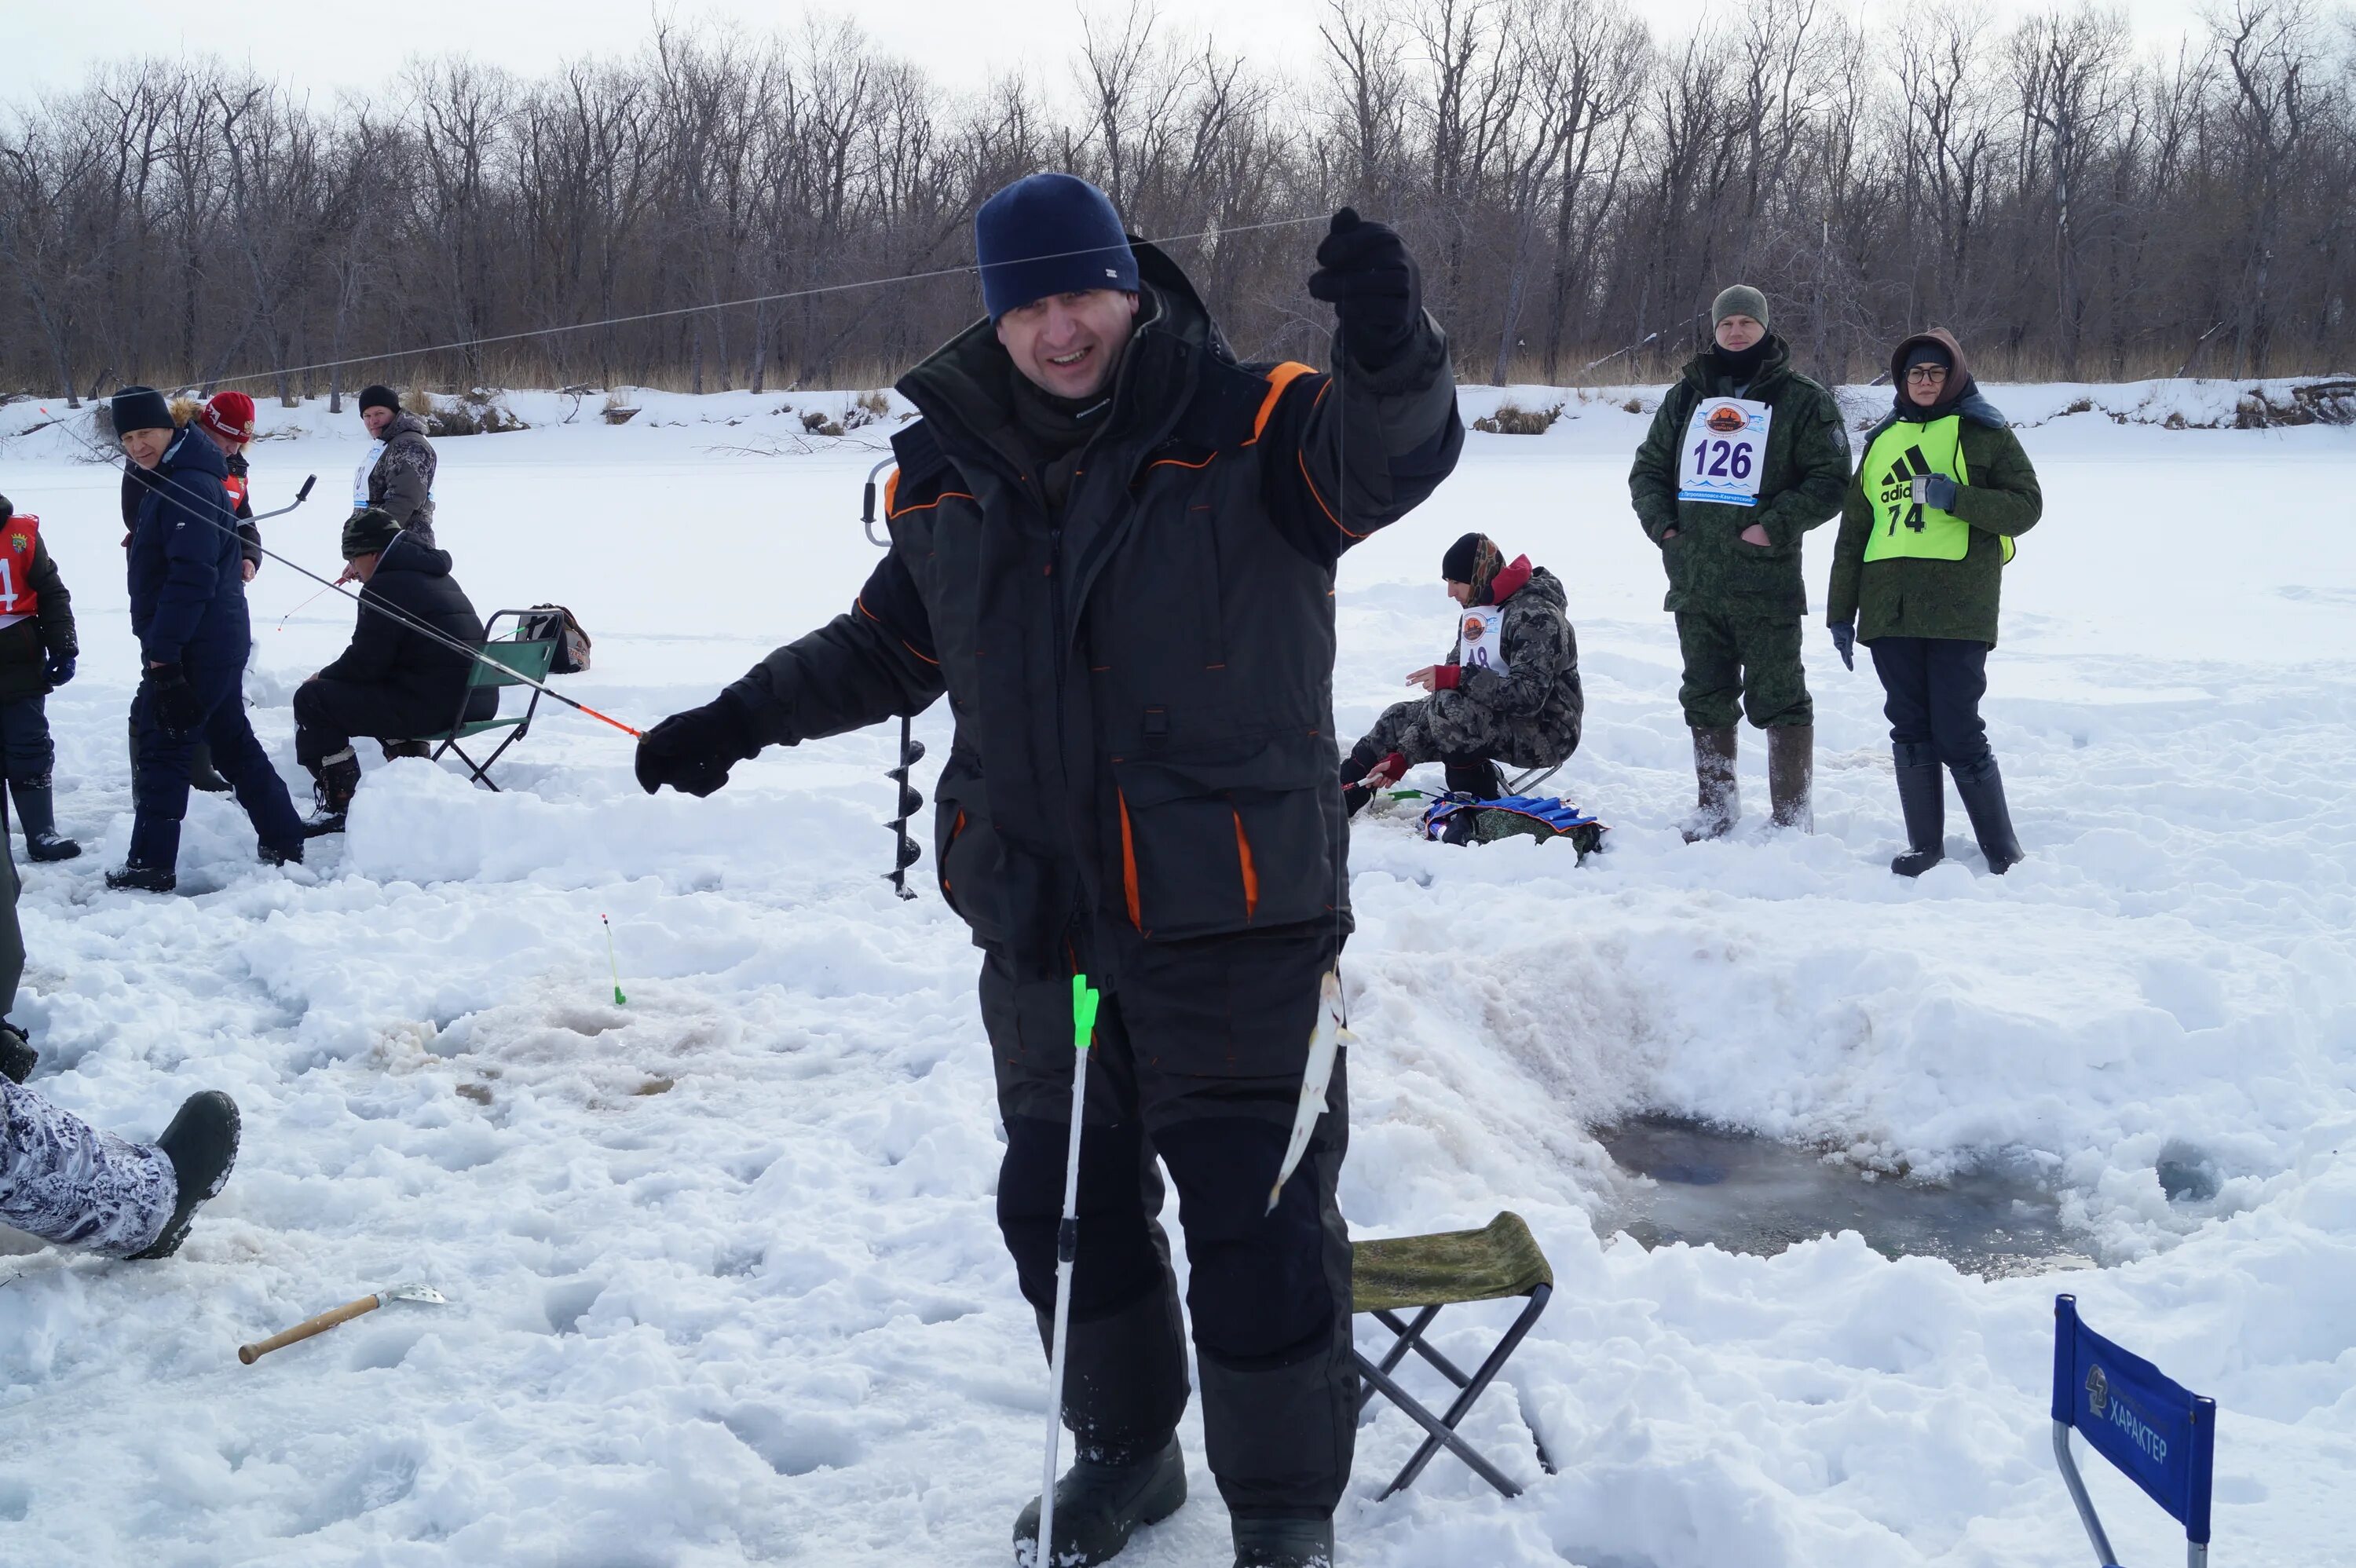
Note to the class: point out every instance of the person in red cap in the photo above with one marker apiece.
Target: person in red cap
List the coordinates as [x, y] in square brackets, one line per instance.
[227, 420]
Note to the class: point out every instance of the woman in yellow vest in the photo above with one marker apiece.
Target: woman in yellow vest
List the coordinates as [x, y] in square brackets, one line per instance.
[1928, 527]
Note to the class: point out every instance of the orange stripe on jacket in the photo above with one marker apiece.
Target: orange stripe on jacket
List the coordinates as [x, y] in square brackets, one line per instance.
[861, 602]
[1129, 863]
[1278, 378]
[1250, 871]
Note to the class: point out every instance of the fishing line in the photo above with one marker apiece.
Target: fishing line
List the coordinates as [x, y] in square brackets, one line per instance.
[195, 506]
[675, 311]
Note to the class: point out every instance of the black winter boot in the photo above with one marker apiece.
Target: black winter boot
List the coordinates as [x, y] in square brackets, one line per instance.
[201, 773]
[18, 1056]
[201, 1143]
[132, 877]
[1923, 800]
[337, 780]
[1717, 804]
[37, 810]
[1099, 1506]
[1982, 787]
[1475, 777]
[1792, 775]
[1284, 1543]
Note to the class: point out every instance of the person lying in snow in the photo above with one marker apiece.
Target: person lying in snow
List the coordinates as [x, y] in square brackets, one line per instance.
[65, 1182]
[1509, 690]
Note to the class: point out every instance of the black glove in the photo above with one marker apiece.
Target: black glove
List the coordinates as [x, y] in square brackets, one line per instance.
[1845, 643]
[61, 669]
[173, 701]
[1364, 273]
[692, 752]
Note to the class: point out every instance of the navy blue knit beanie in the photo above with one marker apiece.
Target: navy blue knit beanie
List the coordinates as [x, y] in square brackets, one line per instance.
[139, 407]
[1049, 234]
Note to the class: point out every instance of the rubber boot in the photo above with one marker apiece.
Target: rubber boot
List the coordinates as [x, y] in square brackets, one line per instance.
[36, 809]
[18, 1056]
[1477, 777]
[1284, 1543]
[1923, 799]
[1791, 776]
[1717, 804]
[1098, 1507]
[201, 774]
[336, 779]
[201, 1143]
[1982, 787]
[1355, 766]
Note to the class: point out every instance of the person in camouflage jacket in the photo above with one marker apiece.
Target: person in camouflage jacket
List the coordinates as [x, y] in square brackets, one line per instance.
[1730, 539]
[399, 481]
[1527, 713]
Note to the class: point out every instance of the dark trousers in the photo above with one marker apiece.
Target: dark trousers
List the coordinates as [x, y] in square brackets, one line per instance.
[328, 713]
[1197, 1060]
[27, 754]
[1934, 687]
[1750, 656]
[160, 768]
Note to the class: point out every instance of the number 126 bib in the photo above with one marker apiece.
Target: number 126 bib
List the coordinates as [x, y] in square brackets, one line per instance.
[1725, 447]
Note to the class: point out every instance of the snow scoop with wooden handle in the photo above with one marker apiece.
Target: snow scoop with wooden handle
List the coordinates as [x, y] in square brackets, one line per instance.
[250, 1354]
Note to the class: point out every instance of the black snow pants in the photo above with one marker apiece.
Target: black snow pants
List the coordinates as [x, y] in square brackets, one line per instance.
[328, 713]
[1197, 1060]
[1932, 687]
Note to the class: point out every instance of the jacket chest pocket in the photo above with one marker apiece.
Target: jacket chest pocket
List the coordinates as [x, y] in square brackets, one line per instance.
[1234, 842]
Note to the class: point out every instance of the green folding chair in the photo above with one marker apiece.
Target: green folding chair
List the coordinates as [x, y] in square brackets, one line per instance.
[1423, 1274]
[511, 660]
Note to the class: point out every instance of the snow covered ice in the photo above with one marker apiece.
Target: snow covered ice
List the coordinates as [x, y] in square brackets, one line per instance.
[726, 1282]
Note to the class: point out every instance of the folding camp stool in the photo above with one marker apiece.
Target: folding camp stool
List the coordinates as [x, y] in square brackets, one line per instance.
[1423, 1274]
[2163, 1435]
[511, 660]
[1529, 779]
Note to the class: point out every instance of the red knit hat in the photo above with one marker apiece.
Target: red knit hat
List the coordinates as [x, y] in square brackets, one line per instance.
[228, 415]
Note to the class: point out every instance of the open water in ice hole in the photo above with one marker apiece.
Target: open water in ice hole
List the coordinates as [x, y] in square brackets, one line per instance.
[1723, 1187]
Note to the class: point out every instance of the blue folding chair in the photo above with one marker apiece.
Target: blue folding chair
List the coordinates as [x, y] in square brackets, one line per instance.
[2162, 1434]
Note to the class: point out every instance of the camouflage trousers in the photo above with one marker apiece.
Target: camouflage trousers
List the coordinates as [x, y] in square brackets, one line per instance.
[65, 1182]
[1751, 656]
[1448, 725]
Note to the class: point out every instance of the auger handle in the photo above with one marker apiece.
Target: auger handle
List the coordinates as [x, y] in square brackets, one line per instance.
[250, 1354]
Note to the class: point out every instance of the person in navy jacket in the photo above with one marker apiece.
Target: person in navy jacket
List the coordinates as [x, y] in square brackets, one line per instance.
[188, 608]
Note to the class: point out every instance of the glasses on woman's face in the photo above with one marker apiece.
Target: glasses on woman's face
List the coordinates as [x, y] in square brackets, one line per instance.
[1927, 375]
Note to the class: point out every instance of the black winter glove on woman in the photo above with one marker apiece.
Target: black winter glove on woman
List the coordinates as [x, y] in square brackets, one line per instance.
[1364, 273]
[692, 752]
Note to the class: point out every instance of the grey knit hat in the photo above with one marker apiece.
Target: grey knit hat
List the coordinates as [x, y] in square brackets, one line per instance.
[1742, 299]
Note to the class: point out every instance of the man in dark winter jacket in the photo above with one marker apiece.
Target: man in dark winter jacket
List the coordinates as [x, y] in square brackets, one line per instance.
[395, 680]
[1114, 547]
[396, 476]
[37, 651]
[1508, 690]
[1744, 457]
[1943, 489]
[187, 607]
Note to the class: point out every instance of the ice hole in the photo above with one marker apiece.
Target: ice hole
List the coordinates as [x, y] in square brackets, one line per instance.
[1717, 1186]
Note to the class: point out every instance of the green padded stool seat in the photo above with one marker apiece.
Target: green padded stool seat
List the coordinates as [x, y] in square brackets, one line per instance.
[1421, 1275]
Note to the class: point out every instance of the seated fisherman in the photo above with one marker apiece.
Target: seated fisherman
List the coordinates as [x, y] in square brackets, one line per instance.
[1509, 691]
[395, 682]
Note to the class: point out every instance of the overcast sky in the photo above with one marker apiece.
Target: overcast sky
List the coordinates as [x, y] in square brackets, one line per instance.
[328, 46]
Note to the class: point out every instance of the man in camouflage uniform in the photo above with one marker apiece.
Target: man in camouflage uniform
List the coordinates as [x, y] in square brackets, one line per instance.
[1527, 710]
[1745, 456]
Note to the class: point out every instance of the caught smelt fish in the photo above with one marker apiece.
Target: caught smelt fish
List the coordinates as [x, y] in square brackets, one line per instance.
[1323, 1040]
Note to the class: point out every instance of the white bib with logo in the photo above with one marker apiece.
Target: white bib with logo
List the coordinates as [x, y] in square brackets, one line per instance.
[1725, 447]
[1479, 639]
[360, 474]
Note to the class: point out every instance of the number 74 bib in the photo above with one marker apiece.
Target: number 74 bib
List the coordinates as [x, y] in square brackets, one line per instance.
[1725, 447]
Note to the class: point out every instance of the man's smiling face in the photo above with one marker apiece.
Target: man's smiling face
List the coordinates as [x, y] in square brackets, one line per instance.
[1069, 345]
